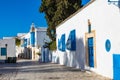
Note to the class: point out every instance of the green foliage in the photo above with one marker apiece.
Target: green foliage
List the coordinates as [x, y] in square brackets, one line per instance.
[17, 41]
[52, 45]
[38, 53]
[57, 11]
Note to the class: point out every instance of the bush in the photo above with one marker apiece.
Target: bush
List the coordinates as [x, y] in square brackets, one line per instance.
[17, 41]
[52, 45]
[38, 53]
[11, 59]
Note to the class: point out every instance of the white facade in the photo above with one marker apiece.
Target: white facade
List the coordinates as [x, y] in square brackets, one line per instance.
[32, 41]
[105, 25]
[40, 35]
[9, 44]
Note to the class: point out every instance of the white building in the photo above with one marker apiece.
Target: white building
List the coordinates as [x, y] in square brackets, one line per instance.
[89, 39]
[7, 49]
[32, 41]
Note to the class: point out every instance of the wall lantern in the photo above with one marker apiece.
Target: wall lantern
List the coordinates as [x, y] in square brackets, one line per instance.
[89, 26]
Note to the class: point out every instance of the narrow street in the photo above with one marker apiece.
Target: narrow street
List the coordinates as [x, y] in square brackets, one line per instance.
[32, 70]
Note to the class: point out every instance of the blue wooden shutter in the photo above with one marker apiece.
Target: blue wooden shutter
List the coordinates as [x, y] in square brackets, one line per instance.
[71, 42]
[61, 43]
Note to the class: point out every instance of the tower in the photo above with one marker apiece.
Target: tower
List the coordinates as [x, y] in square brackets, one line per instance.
[32, 35]
[32, 40]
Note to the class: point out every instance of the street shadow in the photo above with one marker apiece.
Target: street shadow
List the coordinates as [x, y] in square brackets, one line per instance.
[34, 66]
[47, 68]
[80, 53]
[76, 58]
[26, 54]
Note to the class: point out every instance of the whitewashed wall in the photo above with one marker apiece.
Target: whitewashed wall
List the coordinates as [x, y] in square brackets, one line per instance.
[105, 20]
[11, 51]
[41, 38]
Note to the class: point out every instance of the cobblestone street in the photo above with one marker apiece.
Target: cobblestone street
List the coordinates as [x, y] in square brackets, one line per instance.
[32, 70]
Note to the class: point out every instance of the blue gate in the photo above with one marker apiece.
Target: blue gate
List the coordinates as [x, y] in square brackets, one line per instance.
[116, 66]
[91, 52]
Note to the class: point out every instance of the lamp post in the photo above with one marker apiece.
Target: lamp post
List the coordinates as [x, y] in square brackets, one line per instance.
[6, 50]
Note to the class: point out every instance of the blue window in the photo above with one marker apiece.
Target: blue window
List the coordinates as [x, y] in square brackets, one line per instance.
[71, 42]
[107, 45]
[25, 42]
[3, 52]
[61, 43]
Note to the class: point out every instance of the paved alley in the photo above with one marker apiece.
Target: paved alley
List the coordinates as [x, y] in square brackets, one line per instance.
[32, 70]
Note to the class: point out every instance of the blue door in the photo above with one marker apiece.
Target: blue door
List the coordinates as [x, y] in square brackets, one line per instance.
[91, 52]
[116, 66]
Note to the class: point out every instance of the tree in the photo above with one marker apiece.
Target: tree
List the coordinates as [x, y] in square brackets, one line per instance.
[57, 11]
[17, 41]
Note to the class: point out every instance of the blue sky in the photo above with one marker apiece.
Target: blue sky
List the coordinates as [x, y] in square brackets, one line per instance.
[16, 16]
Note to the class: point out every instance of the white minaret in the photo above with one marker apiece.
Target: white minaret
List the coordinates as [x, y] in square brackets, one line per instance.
[32, 40]
[32, 29]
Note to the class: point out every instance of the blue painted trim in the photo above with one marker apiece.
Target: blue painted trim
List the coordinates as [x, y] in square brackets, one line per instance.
[107, 45]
